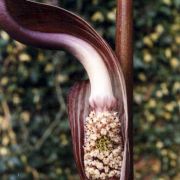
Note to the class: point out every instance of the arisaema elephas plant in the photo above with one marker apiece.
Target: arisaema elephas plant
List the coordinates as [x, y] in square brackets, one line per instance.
[98, 108]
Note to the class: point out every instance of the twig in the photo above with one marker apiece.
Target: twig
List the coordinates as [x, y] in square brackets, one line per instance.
[48, 131]
[55, 123]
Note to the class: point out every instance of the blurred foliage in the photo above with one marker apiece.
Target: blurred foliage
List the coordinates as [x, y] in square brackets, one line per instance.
[35, 140]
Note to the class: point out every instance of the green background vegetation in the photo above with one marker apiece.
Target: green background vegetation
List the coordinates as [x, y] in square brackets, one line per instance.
[35, 140]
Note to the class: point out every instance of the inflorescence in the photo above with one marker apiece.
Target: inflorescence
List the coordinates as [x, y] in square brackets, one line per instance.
[103, 146]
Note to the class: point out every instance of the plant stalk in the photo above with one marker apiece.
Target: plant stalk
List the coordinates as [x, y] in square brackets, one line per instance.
[124, 53]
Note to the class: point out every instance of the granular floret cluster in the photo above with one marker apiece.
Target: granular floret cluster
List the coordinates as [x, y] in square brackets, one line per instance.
[103, 146]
